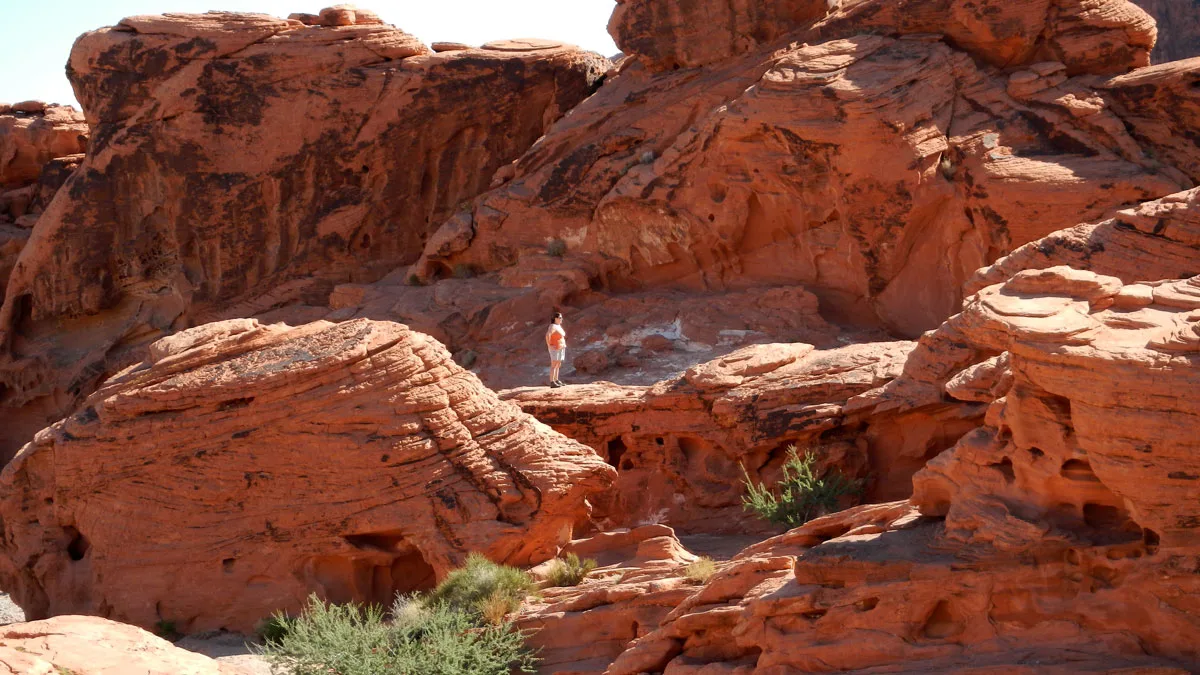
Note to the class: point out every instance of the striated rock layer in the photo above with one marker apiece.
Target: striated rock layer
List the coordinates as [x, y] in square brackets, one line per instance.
[854, 155]
[86, 645]
[1062, 533]
[680, 447]
[240, 162]
[243, 466]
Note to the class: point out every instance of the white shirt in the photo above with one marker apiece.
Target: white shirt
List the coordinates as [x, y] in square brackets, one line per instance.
[555, 328]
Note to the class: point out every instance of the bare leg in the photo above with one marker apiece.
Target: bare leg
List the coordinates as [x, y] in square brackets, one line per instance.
[555, 366]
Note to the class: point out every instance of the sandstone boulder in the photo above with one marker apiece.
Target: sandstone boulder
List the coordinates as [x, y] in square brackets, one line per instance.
[243, 466]
[1061, 535]
[87, 645]
[241, 162]
[31, 135]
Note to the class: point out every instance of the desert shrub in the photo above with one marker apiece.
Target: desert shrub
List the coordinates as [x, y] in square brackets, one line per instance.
[274, 627]
[423, 638]
[467, 358]
[482, 581]
[556, 248]
[701, 570]
[166, 629]
[569, 571]
[414, 280]
[463, 271]
[802, 494]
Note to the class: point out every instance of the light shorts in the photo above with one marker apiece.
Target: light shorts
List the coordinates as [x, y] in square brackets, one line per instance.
[558, 354]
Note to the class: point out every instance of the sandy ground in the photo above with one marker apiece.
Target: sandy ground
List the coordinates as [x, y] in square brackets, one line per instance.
[228, 648]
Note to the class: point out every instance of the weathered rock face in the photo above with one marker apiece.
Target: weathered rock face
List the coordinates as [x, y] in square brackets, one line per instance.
[241, 162]
[33, 133]
[243, 466]
[740, 175]
[1064, 530]
[1096, 36]
[680, 446]
[87, 645]
[1178, 28]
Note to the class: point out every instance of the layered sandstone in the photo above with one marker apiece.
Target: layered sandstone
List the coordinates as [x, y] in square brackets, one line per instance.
[1062, 532]
[683, 446]
[241, 162]
[85, 645]
[243, 466]
[859, 159]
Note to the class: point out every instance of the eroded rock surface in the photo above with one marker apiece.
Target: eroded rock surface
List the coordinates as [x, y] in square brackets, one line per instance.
[243, 466]
[240, 162]
[680, 446]
[87, 645]
[1063, 531]
[858, 158]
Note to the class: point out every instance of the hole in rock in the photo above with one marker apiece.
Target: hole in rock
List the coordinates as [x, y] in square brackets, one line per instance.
[1150, 539]
[1036, 452]
[814, 614]
[22, 314]
[227, 564]
[660, 441]
[77, 544]
[1005, 467]
[626, 464]
[1103, 516]
[866, 604]
[616, 450]
[375, 578]
[941, 623]
[235, 403]
[1078, 469]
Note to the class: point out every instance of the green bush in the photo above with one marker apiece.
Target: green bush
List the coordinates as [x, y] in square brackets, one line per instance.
[482, 581]
[802, 495]
[569, 571]
[274, 627]
[165, 629]
[463, 271]
[424, 638]
[556, 248]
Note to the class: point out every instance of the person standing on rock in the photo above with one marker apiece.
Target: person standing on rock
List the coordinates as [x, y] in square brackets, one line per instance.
[556, 342]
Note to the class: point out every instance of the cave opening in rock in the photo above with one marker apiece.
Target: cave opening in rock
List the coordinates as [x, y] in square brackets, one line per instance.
[381, 566]
[616, 450]
[77, 544]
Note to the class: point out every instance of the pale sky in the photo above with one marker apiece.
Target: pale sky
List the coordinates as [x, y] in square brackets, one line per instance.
[36, 35]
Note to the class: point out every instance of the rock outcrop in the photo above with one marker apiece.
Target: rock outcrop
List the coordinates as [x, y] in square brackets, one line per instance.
[1178, 28]
[1062, 533]
[853, 156]
[243, 466]
[239, 162]
[86, 645]
[680, 447]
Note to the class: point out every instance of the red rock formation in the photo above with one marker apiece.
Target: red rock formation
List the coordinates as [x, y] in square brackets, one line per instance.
[85, 645]
[680, 446]
[876, 172]
[31, 134]
[243, 466]
[241, 162]
[1178, 28]
[1062, 533]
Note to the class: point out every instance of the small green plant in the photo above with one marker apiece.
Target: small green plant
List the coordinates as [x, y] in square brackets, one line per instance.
[701, 570]
[556, 248]
[464, 271]
[482, 581]
[166, 629]
[275, 627]
[569, 571]
[467, 358]
[414, 280]
[802, 494]
[423, 638]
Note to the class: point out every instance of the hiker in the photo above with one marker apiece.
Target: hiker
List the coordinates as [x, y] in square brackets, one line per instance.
[556, 342]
